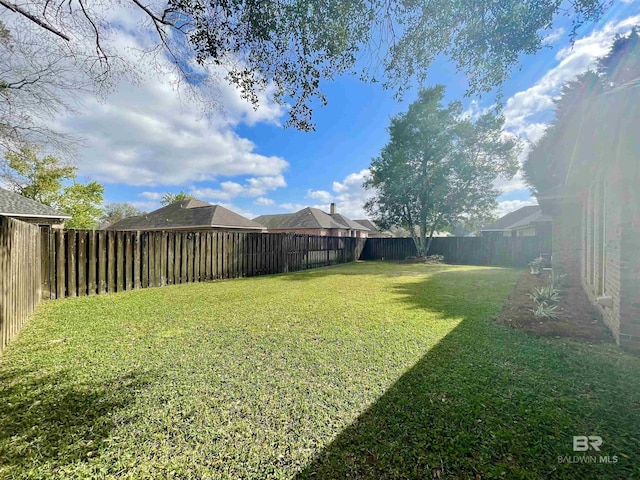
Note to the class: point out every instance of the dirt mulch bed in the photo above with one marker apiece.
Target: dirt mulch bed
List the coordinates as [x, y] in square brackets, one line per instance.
[577, 317]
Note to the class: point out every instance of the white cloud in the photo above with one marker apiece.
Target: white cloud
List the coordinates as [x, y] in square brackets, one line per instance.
[151, 195]
[263, 201]
[253, 187]
[292, 207]
[554, 36]
[321, 195]
[351, 195]
[151, 132]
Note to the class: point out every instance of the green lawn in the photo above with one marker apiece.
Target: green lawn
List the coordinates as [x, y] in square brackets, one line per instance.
[368, 370]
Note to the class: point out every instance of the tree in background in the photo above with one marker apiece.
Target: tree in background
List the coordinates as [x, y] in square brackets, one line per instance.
[82, 202]
[170, 198]
[439, 168]
[114, 212]
[42, 179]
[290, 46]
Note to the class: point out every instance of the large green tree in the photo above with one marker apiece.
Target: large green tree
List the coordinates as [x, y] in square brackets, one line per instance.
[51, 182]
[294, 44]
[439, 167]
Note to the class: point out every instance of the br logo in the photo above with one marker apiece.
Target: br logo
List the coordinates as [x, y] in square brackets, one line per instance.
[582, 443]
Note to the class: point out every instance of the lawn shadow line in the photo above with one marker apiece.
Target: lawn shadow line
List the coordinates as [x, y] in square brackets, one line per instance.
[483, 401]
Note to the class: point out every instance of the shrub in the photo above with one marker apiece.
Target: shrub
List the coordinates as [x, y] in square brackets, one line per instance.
[558, 280]
[546, 311]
[546, 295]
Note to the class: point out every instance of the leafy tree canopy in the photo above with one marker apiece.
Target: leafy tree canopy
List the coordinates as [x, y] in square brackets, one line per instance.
[43, 179]
[114, 212]
[170, 198]
[439, 167]
[294, 44]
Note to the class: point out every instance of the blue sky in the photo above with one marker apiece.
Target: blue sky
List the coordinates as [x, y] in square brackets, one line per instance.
[145, 139]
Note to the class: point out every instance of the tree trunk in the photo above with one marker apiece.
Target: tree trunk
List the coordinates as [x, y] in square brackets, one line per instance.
[426, 250]
[428, 246]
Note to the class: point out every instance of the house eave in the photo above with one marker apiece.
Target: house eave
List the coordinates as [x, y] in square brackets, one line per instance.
[31, 215]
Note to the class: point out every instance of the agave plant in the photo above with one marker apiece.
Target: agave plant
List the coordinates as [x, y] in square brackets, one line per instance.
[546, 311]
[545, 295]
[558, 280]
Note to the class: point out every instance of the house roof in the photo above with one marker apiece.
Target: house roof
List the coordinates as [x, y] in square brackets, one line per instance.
[535, 217]
[187, 214]
[308, 218]
[15, 205]
[352, 224]
[368, 224]
[517, 219]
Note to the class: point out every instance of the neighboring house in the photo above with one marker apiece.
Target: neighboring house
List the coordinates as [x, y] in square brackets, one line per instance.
[595, 206]
[189, 215]
[27, 210]
[527, 221]
[374, 232]
[313, 221]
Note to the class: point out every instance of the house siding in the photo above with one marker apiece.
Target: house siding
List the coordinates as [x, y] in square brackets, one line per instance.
[630, 255]
[609, 249]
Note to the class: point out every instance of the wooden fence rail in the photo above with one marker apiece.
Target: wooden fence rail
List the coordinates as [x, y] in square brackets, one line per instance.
[19, 276]
[498, 251]
[83, 262]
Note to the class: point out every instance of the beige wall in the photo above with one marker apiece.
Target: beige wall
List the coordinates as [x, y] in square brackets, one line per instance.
[52, 222]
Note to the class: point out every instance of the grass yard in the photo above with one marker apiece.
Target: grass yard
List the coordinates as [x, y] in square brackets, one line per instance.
[368, 370]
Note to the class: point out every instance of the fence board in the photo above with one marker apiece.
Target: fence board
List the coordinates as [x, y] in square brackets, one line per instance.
[21, 277]
[79, 262]
[92, 263]
[128, 260]
[136, 261]
[497, 251]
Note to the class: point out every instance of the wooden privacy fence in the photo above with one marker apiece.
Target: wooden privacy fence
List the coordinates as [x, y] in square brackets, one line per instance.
[19, 276]
[498, 251]
[83, 262]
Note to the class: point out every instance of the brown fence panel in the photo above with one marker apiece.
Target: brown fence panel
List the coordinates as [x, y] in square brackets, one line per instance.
[21, 277]
[492, 250]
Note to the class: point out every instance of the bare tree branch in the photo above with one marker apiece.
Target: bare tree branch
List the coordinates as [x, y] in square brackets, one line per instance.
[34, 19]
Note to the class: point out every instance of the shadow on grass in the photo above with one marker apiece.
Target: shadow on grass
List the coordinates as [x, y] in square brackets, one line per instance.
[488, 402]
[51, 421]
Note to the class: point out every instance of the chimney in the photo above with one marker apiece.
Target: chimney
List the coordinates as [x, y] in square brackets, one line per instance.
[333, 208]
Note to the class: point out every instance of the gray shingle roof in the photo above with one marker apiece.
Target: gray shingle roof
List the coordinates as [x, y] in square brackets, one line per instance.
[15, 205]
[517, 218]
[368, 224]
[353, 225]
[187, 214]
[308, 218]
